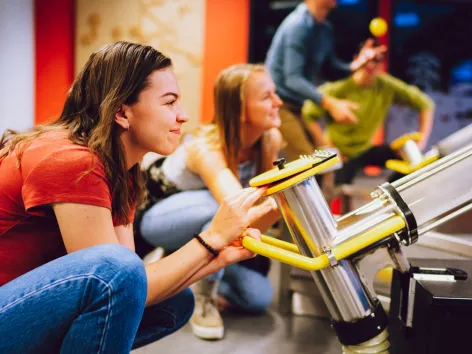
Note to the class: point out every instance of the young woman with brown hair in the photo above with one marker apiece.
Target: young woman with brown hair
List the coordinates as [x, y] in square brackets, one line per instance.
[69, 279]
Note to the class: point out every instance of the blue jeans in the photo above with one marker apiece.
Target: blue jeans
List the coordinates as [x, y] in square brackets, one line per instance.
[89, 301]
[173, 221]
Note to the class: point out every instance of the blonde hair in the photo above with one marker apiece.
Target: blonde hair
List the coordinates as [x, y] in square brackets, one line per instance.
[229, 104]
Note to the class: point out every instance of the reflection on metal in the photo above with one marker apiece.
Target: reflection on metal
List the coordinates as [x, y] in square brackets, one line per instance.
[308, 217]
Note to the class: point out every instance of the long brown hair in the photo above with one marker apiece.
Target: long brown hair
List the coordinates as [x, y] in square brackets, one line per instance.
[230, 100]
[114, 75]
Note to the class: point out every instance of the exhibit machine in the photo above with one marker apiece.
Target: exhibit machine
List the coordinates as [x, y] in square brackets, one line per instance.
[333, 250]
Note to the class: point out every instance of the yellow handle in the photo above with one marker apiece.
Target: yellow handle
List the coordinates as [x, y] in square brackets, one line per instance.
[405, 168]
[284, 255]
[280, 243]
[286, 252]
[399, 166]
[399, 142]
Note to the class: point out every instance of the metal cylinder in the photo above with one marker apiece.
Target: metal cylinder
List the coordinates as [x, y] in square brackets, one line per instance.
[444, 188]
[363, 219]
[455, 141]
[411, 153]
[313, 228]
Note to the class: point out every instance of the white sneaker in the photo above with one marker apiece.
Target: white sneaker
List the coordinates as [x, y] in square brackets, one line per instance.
[206, 321]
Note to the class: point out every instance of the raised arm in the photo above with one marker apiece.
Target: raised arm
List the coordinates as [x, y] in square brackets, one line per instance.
[425, 125]
[210, 164]
[410, 96]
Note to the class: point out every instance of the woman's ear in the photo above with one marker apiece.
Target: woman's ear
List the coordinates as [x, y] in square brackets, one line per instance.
[121, 119]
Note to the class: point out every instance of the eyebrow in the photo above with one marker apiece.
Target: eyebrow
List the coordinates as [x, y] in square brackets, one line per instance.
[170, 94]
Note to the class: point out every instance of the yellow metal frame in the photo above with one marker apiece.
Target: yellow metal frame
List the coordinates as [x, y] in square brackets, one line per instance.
[289, 182]
[399, 142]
[405, 168]
[276, 174]
[287, 252]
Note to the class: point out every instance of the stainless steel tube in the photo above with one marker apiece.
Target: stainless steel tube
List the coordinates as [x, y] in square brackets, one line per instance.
[360, 220]
[313, 228]
[455, 141]
[444, 188]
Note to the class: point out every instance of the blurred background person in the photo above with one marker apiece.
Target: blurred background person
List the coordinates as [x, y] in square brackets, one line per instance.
[302, 44]
[374, 92]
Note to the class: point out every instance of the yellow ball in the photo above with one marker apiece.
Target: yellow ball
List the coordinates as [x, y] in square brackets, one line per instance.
[378, 27]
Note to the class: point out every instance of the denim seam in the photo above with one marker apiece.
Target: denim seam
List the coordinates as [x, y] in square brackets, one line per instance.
[62, 281]
[172, 314]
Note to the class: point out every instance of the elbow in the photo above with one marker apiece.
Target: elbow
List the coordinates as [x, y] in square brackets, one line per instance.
[430, 106]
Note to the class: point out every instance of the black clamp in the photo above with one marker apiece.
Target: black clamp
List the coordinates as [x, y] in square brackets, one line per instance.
[412, 227]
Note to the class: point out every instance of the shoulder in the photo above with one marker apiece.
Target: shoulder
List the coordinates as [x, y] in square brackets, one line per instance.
[406, 93]
[52, 153]
[200, 152]
[391, 81]
[395, 84]
[298, 24]
[333, 87]
[57, 170]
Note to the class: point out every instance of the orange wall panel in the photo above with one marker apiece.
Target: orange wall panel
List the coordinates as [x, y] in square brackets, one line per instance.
[54, 51]
[226, 42]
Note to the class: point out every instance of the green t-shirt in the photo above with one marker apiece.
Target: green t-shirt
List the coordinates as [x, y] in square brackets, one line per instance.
[374, 103]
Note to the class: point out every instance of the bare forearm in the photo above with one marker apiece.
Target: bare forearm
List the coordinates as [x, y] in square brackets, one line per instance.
[425, 125]
[201, 273]
[318, 135]
[166, 276]
[426, 122]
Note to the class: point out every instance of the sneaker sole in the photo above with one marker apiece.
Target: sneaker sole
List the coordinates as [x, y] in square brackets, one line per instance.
[208, 332]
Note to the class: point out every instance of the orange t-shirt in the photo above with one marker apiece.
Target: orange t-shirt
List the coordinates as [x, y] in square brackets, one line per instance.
[51, 171]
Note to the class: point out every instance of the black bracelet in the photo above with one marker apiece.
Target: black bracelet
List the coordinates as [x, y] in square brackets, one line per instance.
[206, 245]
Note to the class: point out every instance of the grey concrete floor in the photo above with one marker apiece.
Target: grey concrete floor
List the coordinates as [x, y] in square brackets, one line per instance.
[270, 333]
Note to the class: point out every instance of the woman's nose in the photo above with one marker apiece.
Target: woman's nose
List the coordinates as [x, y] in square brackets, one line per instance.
[277, 101]
[182, 116]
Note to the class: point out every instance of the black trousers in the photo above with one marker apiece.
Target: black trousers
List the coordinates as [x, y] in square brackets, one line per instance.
[375, 156]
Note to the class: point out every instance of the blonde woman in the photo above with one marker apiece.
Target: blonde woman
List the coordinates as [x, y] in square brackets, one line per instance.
[215, 161]
[69, 278]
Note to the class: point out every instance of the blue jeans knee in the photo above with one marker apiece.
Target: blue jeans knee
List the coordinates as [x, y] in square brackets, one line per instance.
[165, 318]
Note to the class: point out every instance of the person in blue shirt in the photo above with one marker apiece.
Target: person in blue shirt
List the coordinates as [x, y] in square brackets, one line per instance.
[302, 44]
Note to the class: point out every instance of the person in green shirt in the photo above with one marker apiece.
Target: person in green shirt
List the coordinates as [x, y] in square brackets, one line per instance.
[373, 92]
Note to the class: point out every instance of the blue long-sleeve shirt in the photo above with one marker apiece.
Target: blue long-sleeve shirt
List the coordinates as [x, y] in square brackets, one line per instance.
[299, 48]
